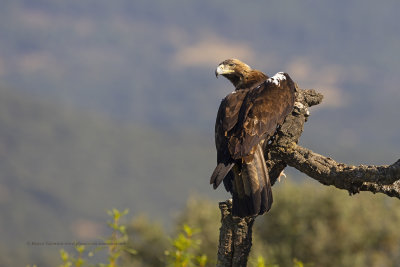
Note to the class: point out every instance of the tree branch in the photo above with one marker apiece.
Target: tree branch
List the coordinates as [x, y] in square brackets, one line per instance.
[235, 237]
[343, 176]
[290, 131]
[282, 150]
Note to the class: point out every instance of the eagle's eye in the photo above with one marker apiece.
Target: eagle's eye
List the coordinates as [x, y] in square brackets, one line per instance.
[231, 64]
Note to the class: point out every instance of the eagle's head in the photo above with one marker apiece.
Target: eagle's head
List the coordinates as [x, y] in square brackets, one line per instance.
[239, 74]
[233, 69]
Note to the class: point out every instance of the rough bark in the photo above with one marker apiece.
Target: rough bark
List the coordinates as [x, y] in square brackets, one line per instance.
[235, 238]
[382, 179]
[283, 150]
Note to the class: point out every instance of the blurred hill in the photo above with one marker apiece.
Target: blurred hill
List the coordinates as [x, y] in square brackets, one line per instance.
[152, 62]
[62, 169]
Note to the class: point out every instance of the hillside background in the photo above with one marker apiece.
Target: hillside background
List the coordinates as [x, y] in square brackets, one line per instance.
[112, 103]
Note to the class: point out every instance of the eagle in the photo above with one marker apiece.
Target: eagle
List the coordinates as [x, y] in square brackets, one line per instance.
[246, 120]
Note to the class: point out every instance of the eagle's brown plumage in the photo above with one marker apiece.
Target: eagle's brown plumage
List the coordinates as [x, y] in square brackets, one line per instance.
[246, 118]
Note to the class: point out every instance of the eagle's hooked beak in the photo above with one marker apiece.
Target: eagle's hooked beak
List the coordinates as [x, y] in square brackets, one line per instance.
[221, 70]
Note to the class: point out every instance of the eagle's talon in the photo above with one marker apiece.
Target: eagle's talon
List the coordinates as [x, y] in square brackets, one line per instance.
[280, 175]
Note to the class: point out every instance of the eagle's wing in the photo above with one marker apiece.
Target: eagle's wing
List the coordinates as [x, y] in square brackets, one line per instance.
[245, 118]
[263, 109]
[227, 118]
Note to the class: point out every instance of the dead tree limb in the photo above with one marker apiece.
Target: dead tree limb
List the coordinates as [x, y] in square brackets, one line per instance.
[382, 179]
[235, 238]
[283, 150]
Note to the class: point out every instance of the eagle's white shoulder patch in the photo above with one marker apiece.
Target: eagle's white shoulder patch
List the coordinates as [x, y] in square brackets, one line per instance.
[277, 78]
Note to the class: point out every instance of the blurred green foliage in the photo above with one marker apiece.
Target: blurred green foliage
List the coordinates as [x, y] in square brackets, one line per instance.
[185, 252]
[115, 244]
[326, 227]
[309, 225]
[60, 166]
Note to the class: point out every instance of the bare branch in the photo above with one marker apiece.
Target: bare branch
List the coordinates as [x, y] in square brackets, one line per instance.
[284, 150]
[290, 131]
[235, 238]
[343, 176]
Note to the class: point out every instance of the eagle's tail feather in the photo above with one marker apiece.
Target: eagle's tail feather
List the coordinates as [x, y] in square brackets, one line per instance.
[219, 173]
[252, 194]
[266, 191]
